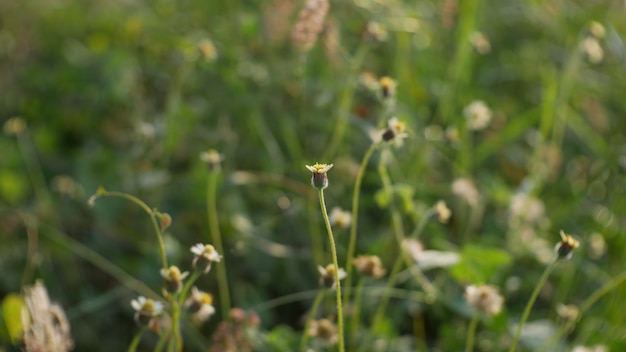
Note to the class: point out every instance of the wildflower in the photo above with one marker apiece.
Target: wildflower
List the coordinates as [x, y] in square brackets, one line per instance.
[526, 207]
[212, 158]
[368, 80]
[567, 311]
[340, 218]
[369, 265]
[591, 48]
[319, 179]
[596, 29]
[376, 32]
[310, 24]
[44, 323]
[327, 278]
[442, 211]
[207, 49]
[564, 248]
[395, 131]
[146, 310]
[465, 189]
[485, 298]
[173, 278]
[480, 43]
[478, 115]
[204, 256]
[15, 126]
[325, 330]
[412, 247]
[387, 87]
[200, 304]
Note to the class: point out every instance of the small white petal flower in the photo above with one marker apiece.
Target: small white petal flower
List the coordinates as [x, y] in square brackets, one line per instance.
[204, 255]
[340, 218]
[478, 115]
[328, 275]
[146, 309]
[466, 189]
[201, 305]
[485, 298]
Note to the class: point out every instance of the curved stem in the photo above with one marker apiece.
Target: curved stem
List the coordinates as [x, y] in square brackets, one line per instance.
[135, 342]
[216, 237]
[591, 300]
[531, 302]
[305, 335]
[355, 214]
[146, 208]
[471, 333]
[333, 250]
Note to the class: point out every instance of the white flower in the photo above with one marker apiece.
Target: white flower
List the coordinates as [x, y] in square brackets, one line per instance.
[395, 131]
[201, 304]
[319, 179]
[592, 49]
[173, 278]
[485, 298]
[340, 218]
[478, 115]
[204, 256]
[328, 275]
[442, 211]
[146, 309]
[465, 189]
[526, 207]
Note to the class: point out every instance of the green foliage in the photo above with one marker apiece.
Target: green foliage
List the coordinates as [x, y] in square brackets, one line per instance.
[12, 305]
[479, 264]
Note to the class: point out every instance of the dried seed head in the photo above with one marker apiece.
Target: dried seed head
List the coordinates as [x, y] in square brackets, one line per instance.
[369, 265]
[310, 24]
[485, 298]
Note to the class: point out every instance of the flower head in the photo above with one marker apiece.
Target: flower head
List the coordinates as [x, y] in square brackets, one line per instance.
[395, 131]
[319, 179]
[146, 309]
[14, 126]
[327, 278]
[212, 158]
[204, 255]
[564, 249]
[591, 48]
[387, 87]
[465, 189]
[200, 304]
[369, 265]
[478, 115]
[442, 211]
[340, 218]
[485, 298]
[173, 278]
[325, 330]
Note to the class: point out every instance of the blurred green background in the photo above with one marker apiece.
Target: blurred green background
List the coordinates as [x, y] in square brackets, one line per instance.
[127, 94]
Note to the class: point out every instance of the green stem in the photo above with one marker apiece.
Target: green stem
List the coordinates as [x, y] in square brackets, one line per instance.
[333, 250]
[146, 208]
[305, 335]
[471, 333]
[531, 302]
[216, 237]
[33, 166]
[355, 214]
[316, 239]
[135, 342]
[590, 301]
[176, 303]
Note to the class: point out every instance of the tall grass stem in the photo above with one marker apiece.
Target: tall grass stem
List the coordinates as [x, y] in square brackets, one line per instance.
[310, 317]
[471, 333]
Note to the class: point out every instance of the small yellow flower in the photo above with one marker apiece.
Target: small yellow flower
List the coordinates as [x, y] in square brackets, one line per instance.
[327, 274]
[395, 131]
[369, 265]
[485, 298]
[146, 310]
[564, 249]
[200, 304]
[204, 256]
[14, 126]
[207, 49]
[319, 179]
[387, 87]
[173, 278]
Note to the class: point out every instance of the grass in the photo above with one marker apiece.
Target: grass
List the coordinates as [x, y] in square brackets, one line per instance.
[127, 96]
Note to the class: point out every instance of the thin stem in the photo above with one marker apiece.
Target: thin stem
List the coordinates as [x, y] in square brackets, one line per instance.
[305, 335]
[590, 301]
[135, 342]
[35, 171]
[176, 302]
[531, 302]
[216, 237]
[146, 208]
[316, 239]
[355, 214]
[471, 333]
[333, 250]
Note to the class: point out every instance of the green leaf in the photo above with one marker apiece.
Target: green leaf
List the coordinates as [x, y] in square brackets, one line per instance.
[12, 313]
[478, 264]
